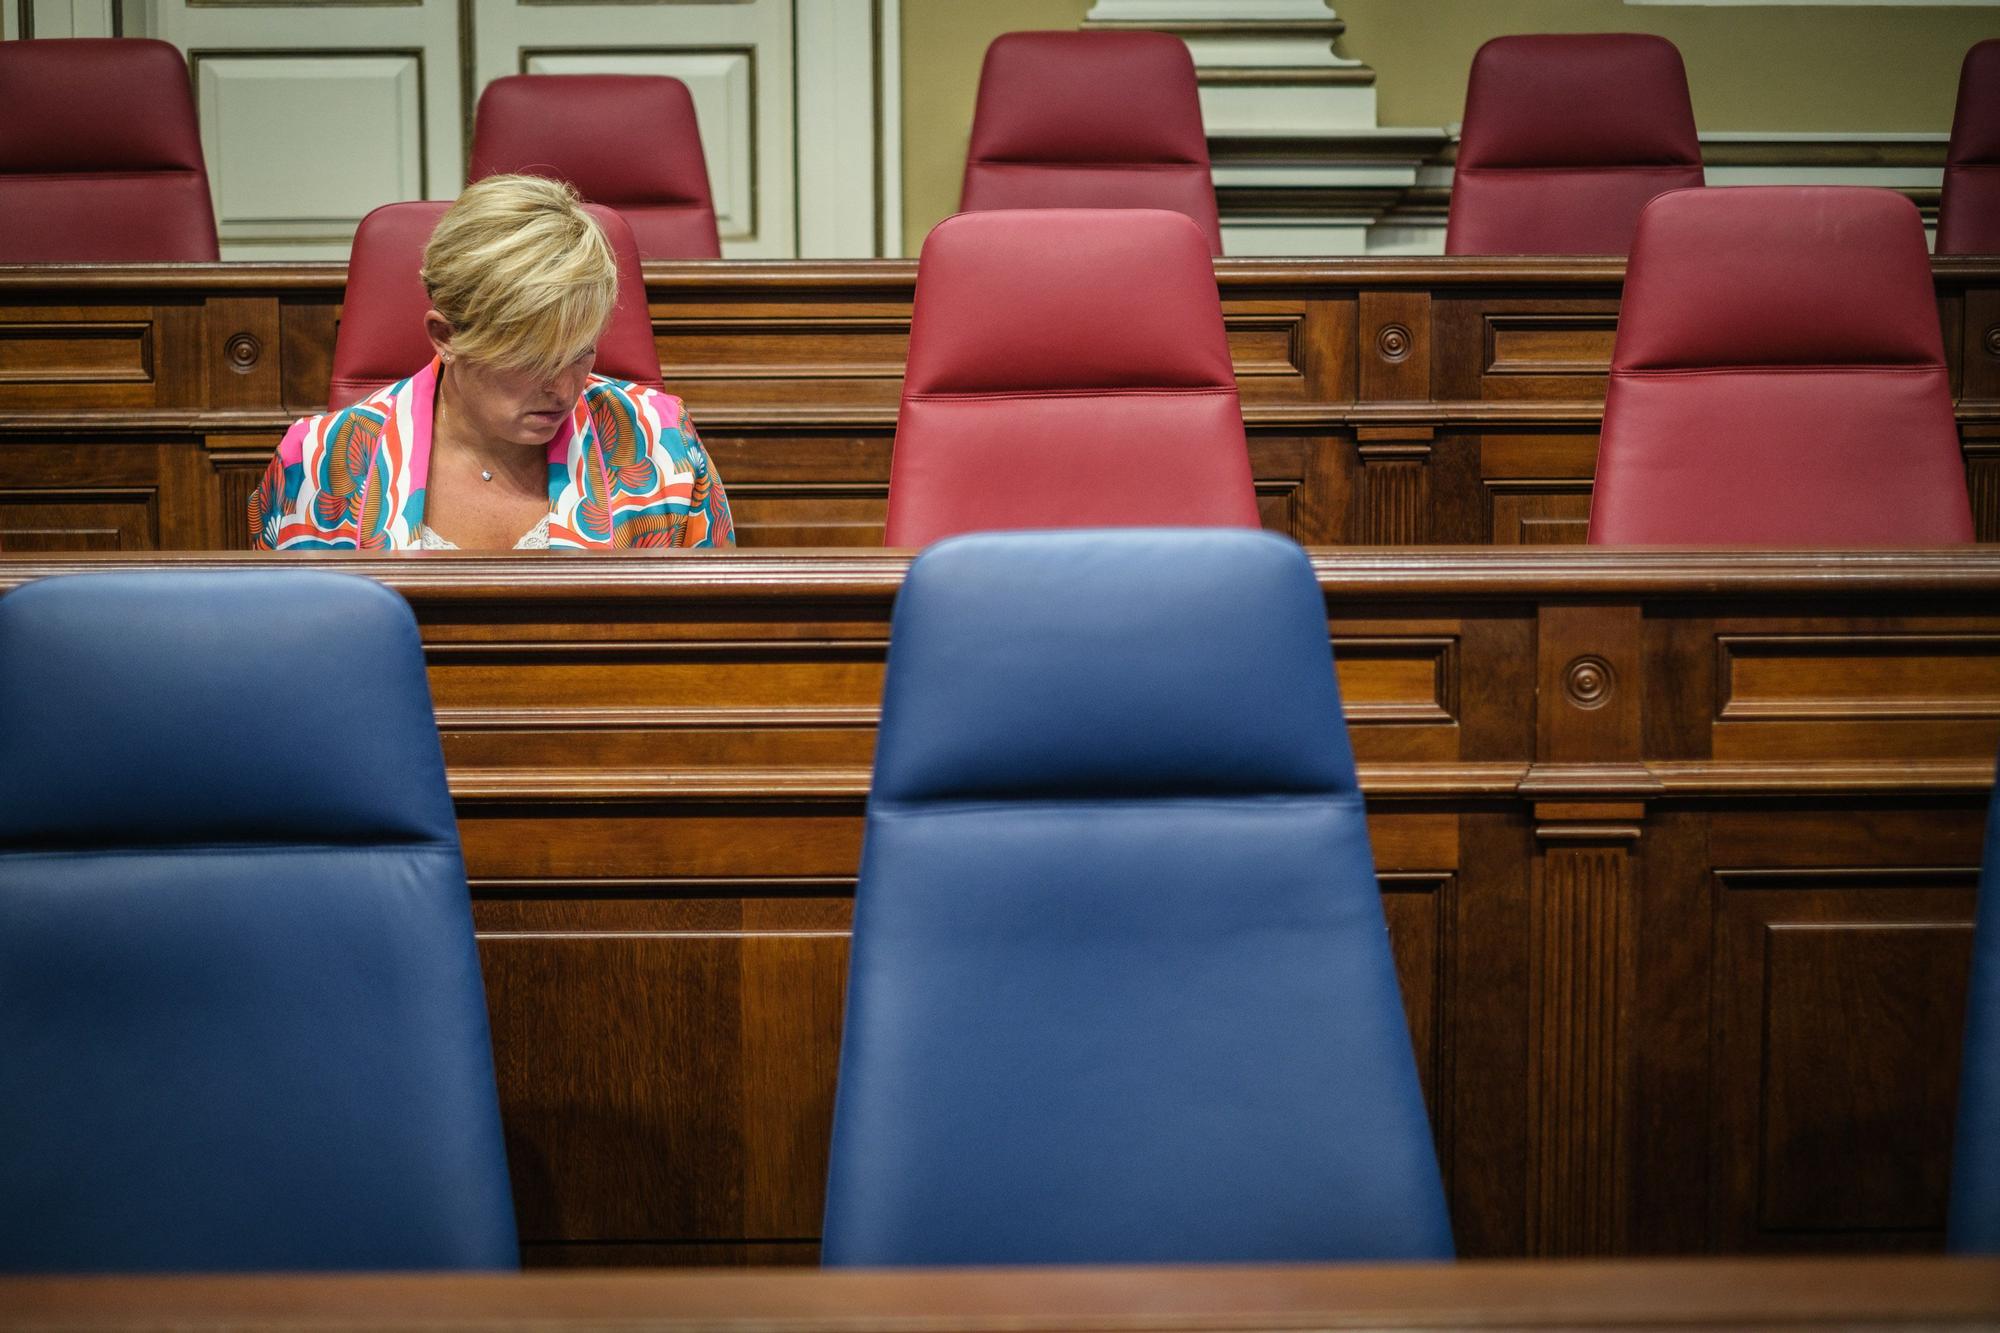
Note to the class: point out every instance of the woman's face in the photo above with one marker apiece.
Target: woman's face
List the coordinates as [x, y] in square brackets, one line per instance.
[521, 407]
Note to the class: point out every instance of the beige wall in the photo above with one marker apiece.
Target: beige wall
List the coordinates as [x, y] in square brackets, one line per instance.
[943, 43]
[1759, 68]
[1774, 67]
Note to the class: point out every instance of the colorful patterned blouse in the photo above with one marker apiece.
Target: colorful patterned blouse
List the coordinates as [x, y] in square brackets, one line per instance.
[626, 470]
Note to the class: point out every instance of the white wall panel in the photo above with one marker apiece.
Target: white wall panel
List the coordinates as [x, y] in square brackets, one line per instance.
[353, 137]
[850, 187]
[67, 18]
[314, 111]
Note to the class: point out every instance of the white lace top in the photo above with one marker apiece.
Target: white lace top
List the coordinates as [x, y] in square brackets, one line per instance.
[534, 539]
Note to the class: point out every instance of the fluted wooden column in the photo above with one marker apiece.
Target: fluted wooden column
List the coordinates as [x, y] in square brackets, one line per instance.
[1589, 813]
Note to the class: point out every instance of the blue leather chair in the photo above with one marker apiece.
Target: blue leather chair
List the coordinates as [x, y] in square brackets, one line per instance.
[1974, 1226]
[241, 1020]
[1121, 989]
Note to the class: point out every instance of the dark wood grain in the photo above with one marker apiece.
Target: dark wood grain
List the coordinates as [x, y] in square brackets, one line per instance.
[1386, 401]
[1676, 849]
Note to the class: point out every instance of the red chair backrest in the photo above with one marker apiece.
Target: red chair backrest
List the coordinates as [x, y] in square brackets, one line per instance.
[100, 158]
[1566, 137]
[381, 336]
[1067, 369]
[1090, 120]
[628, 141]
[1779, 377]
[1969, 211]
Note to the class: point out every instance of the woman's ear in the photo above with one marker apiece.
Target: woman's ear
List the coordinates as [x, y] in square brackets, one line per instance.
[438, 329]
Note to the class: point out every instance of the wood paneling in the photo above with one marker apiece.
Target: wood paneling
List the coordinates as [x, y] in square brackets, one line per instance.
[1543, 345]
[76, 352]
[1836, 677]
[1387, 401]
[1852, 1294]
[90, 520]
[1676, 850]
[1838, 1002]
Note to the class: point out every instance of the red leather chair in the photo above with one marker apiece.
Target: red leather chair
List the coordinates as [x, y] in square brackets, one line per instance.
[381, 335]
[100, 158]
[1779, 377]
[1566, 137]
[1090, 120]
[1067, 369]
[1969, 212]
[627, 141]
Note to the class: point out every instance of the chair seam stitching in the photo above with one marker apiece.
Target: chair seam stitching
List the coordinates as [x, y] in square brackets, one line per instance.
[955, 804]
[1085, 166]
[1867, 369]
[1592, 166]
[126, 173]
[232, 848]
[947, 396]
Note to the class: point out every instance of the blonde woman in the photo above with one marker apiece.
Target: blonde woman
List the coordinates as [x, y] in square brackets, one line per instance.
[505, 441]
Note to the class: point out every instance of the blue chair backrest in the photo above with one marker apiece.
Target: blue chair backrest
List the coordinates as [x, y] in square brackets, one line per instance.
[241, 1020]
[1121, 988]
[1974, 1226]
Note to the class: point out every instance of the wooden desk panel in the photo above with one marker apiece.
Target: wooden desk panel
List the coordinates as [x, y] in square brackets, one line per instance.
[1387, 400]
[1677, 851]
[1712, 1294]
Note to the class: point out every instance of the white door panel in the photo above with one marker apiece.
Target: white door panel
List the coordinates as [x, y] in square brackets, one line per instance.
[313, 113]
[360, 112]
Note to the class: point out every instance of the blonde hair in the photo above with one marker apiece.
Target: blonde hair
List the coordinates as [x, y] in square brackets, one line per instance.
[524, 275]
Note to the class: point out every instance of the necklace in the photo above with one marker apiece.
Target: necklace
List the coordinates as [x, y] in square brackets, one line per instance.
[437, 424]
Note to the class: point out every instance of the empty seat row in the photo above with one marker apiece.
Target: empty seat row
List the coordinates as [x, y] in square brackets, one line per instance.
[241, 1023]
[1109, 872]
[101, 158]
[1778, 377]
[1565, 138]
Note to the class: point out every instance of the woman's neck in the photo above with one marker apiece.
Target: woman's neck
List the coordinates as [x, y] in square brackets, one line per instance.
[452, 430]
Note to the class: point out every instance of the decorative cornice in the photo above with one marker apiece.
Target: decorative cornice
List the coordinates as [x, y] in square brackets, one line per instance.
[1338, 178]
[1328, 28]
[1287, 76]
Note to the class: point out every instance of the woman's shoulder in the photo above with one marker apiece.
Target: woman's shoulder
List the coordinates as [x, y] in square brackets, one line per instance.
[369, 413]
[665, 406]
